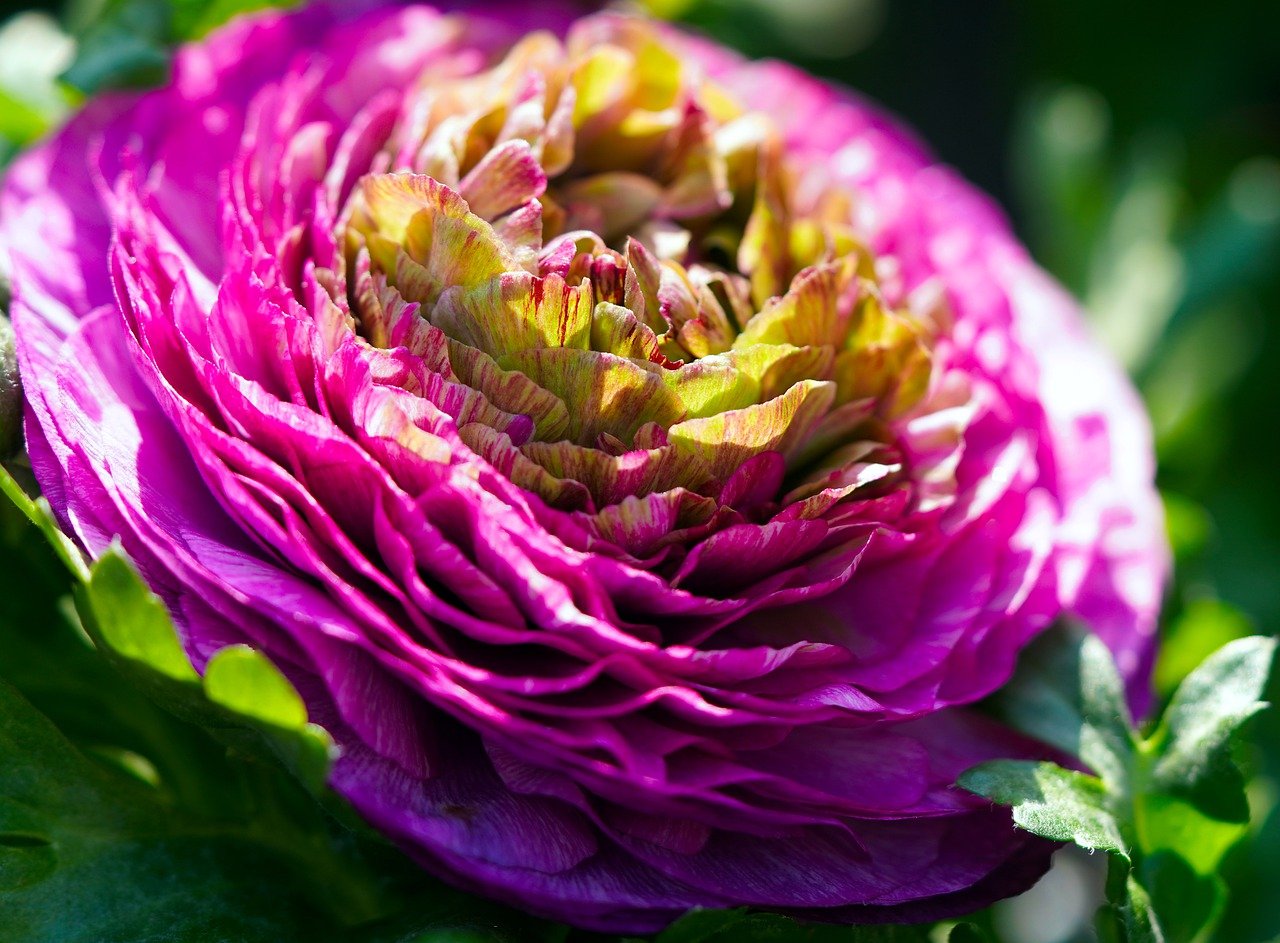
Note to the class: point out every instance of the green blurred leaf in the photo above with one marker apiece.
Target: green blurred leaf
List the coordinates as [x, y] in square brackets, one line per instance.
[33, 50]
[1062, 166]
[1140, 922]
[1187, 523]
[124, 46]
[1049, 801]
[1235, 239]
[668, 9]
[89, 856]
[1203, 626]
[967, 933]
[1188, 903]
[127, 43]
[194, 18]
[1200, 362]
[19, 122]
[1167, 823]
[1194, 737]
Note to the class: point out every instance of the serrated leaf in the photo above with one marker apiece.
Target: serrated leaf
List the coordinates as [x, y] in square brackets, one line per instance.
[210, 809]
[1049, 801]
[1194, 738]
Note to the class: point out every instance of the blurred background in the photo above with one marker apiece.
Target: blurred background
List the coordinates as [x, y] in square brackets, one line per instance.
[1134, 146]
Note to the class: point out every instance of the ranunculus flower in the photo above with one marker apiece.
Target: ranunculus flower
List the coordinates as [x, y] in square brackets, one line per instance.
[634, 455]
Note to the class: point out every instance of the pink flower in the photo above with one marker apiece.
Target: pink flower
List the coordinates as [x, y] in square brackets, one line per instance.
[634, 455]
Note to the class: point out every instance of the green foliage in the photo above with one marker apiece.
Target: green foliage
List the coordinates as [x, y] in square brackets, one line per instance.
[126, 43]
[1195, 735]
[1166, 806]
[87, 854]
[1061, 804]
[1204, 625]
[141, 801]
[38, 512]
[242, 697]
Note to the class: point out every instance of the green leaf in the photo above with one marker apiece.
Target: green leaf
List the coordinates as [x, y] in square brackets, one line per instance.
[39, 513]
[1204, 626]
[1067, 693]
[1189, 527]
[1140, 922]
[1194, 737]
[132, 621]
[1049, 801]
[240, 679]
[10, 384]
[966, 933]
[245, 683]
[242, 698]
[1167, 823]
[91, 856]
[1188, 903]
[195, 18]
[46, 654]
[124, 46]
[1167, 808]
[206, 817]
[127, 43]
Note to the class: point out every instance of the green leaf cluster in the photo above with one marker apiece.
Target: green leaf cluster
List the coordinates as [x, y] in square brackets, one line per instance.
[1165, 805]
[142, 801]
[127, 43]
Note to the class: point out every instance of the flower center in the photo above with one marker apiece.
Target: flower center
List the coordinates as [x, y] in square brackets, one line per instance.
[639, 291]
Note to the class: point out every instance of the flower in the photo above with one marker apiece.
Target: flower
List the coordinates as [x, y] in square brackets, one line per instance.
[635, 456]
